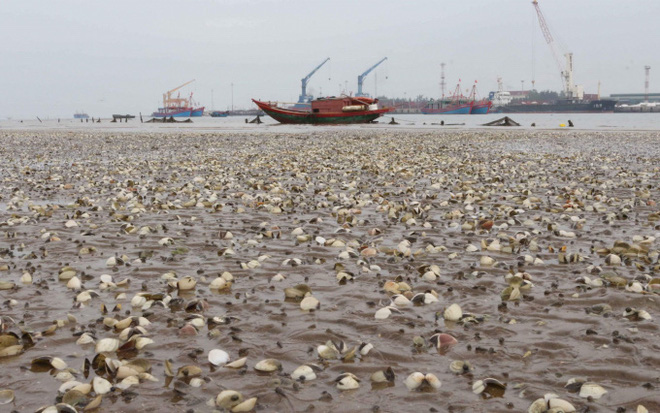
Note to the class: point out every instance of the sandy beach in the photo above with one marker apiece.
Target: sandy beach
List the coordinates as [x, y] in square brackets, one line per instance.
[504, 266]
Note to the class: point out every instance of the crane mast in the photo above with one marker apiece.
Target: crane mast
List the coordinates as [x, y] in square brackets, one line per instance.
[363, 75]
[566, 71]
[304, 97]
[169, 101]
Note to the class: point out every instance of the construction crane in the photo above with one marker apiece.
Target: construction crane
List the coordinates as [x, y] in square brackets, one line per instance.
[304, 97]
[363, 75]
[169, 101]
[570, 90]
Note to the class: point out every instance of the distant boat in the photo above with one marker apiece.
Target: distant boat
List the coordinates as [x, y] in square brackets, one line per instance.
[446, 108]
[456, 105]
[330, 110]
[172, 112]
[80, 115]
[481, 107]
[218, 114]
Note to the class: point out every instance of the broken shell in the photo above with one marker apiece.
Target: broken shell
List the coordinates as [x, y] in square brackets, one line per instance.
[227, 399]
[310, 303]
[6, 396]
[245, 406]
[327, 351]
[303, 373]
[101, 385]
[453, 313]
[237, 364]
[383, 376]
[347, 381]
[489, 387]
[460, 367]
[218, 357]
[268, 365]
[54, 362]
[297, 292]
[365, 348]
[592, 390]
[219, 283]
[186, 283]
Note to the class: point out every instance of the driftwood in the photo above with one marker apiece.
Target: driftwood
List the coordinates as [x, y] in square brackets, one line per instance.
[505, 121]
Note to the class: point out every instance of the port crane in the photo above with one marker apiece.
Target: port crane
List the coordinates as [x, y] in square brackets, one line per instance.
[566, 70]
[169, 101]
[304, 97]
[363, 75]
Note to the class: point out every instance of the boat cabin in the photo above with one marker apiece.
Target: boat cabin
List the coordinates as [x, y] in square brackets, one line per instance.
[343, 104]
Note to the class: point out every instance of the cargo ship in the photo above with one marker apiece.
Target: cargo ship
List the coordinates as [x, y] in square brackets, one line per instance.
[330, 110]
[560, 106]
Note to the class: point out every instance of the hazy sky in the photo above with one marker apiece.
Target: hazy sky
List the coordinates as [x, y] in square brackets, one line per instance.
[119, 56]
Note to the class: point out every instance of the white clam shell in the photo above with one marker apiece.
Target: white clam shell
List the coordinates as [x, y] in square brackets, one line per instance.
[303, 373]
[107, 345]
[245, 406]
[593, 390]
[453, 313]
[268, 365]
[310, 303]
[101, 385]
[228, 399]
[414, 380]
[218, 357]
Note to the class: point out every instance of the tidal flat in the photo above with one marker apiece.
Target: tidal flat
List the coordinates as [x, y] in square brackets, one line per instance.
[332, 270]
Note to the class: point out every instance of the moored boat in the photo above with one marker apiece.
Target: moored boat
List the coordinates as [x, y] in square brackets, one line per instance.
[481, 107]
[172, 112]
[330, 110]
[197, 112]
[446, 108]
[219, 114]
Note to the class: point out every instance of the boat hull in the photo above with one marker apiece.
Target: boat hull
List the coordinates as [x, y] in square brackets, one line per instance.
[197, 112]
[448, 110]
[480, 108]
[217, 114]
[182, 113]
[292, 116]
[594, 106]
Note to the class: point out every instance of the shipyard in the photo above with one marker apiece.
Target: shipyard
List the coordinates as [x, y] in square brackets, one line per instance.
[289, 207]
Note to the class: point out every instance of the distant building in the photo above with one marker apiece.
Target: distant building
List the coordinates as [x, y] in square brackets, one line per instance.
[634, 98]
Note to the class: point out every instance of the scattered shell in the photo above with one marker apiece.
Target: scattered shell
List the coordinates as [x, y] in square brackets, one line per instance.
[453, 313]
[592, 390]
[245, 406]
[310, 303]
[228, 399]
[347, 381]
[383, 376]
[101, 385]
[303, 373]
[218, 357]
[268, 366]
[237, 364]
[6, 396]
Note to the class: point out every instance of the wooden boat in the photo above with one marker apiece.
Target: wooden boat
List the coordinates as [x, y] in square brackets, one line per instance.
[329, 110]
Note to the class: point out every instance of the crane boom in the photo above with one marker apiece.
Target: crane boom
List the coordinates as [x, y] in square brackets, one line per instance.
[363, 75]
[303, 96]
[167, 96]
[549, 40]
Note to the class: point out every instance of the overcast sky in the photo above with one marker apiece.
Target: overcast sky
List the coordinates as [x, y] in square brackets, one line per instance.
[120, 56]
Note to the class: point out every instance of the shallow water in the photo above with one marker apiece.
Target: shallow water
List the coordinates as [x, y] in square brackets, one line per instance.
[336, 184]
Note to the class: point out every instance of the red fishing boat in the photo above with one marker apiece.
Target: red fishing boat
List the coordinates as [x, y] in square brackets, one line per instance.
[329, 110]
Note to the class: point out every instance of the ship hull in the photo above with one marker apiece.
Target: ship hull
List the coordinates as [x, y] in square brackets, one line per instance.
[197, 112]
[448, 110]
[292, 116]
[480, 108]
[594, 106]
[181, 113]
[217, 114]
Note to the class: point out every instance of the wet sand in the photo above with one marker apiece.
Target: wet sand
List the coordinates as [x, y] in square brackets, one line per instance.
[371, 206]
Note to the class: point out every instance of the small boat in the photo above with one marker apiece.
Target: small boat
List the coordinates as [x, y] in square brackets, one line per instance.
[329, 110]
[80, 115]
[219, 114]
